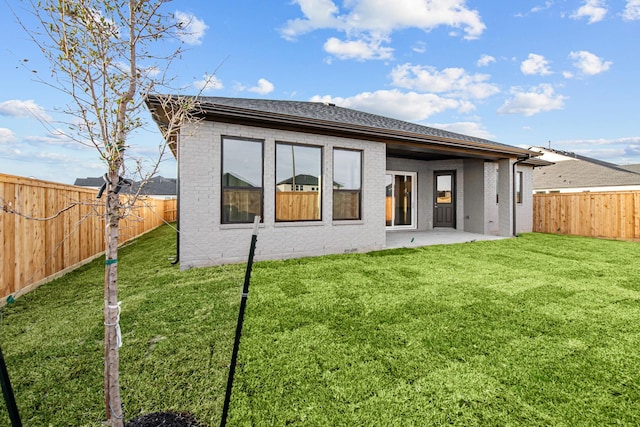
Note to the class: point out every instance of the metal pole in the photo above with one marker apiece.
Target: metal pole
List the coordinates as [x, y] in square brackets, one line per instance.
[9, 398]
[243, 305]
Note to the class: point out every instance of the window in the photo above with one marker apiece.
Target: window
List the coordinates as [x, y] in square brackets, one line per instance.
[298, 182]
[518, 187]
[347, 184]
[241, 180]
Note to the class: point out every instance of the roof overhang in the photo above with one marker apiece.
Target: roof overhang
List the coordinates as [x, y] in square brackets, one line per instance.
[399, 143]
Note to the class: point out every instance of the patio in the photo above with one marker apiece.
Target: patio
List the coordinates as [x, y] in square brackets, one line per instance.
[437, 236]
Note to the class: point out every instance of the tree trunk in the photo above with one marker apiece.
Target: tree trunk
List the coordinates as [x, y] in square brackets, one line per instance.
[113, 403]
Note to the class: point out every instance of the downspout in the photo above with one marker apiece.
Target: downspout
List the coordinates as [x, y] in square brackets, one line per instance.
[513, 195]
[177, 260]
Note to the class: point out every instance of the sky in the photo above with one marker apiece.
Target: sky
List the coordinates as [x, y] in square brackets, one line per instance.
[559, 73]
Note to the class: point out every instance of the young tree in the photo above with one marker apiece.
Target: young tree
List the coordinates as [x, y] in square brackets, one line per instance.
[103, 56]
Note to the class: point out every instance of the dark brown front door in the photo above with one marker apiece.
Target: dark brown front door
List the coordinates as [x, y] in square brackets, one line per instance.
[444, 199]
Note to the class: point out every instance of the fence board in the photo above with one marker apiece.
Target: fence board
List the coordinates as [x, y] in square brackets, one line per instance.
[612, 215]
[34, 251]
[297, 205]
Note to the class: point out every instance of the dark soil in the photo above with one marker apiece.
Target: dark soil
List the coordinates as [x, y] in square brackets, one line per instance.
[164, 419]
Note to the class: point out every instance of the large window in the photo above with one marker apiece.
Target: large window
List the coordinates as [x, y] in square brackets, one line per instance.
[241, 180]
[298, 182]
[347, 184]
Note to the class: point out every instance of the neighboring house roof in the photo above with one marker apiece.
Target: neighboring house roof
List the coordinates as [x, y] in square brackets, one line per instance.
[89, 182]
[233, 180]
[301, 179]
[633, 168]
[402, 137]
[581, 173]
[156, 186]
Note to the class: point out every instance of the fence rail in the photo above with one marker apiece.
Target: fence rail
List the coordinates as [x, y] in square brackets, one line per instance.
[613, 215]
[57, 227]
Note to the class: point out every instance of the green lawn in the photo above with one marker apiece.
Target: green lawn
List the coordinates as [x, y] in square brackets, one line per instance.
[538, 330]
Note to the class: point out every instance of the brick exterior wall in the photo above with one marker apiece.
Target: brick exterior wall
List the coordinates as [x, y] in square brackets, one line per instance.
[205, 241]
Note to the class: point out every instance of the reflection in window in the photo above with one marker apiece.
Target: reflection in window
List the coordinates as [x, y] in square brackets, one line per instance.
[347, 178]
[518, 187]
[298, 182]
[241, 180]
[444, 187]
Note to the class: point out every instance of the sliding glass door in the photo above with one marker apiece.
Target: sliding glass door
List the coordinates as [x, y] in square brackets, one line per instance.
[401, 200]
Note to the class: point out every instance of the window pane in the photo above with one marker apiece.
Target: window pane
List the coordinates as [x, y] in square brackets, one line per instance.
[518, 185]
[298, 182]
[403, 189]
[347, 177]
[241, 180]
[444, 188]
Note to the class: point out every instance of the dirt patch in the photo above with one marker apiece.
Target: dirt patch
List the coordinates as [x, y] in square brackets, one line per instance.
[164, 419]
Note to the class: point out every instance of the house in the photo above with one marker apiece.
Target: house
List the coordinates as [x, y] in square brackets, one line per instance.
[571, 173]
[632, 168]
[299, 183]
[156, 186]
[358, 176]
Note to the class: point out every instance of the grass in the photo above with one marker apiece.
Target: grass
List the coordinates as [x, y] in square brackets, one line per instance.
[538, 330]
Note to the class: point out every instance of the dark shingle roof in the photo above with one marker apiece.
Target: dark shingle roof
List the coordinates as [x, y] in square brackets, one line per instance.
[89, 182]
[345, 116]
[156, 186]
[301, 179]
[633, 168]
[580, 173]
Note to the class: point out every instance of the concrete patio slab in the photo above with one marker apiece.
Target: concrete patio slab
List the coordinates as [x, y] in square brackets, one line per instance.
[437, 236]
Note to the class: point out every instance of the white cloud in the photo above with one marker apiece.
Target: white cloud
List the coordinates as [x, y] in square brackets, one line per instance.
[454, 81]
[384, 16]
[589, 63]
[485, 60]
[547, 5]
[318, 14]
[264, 87]
[632, 10]
[536, 9]
[357, 49]
[595, 10]
[420, 47]
[621, 151]
[7, 136]
[367, 23]
[191, 29]
[631, 140]
[208, 83]
[535, 64]
[55, 137]
[465, 128]
[537, 100]
[23, 109]
[409, 106]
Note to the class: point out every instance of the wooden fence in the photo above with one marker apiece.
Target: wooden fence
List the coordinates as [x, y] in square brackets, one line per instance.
[69, 229]
[613, 215]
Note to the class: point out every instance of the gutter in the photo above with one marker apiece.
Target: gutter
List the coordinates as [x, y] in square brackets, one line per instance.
[513, 196]
[177, 154]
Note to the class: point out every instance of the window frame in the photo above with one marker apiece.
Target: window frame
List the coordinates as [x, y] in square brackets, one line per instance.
[319, 191]
[359, 190]
[222, 172]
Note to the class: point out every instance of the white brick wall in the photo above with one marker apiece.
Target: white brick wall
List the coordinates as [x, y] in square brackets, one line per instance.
[205, 241]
